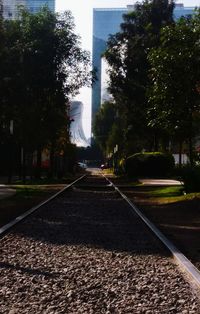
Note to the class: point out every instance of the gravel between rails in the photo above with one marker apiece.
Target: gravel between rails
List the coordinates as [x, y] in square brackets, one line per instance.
[85, 252]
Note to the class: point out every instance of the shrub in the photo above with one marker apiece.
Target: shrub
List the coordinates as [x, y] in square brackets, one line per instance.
[120, 170]
[149, 164]
[191, 178]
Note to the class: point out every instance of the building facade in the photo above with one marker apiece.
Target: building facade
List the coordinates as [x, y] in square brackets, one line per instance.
[106, 22]
[76, 129]
[35, 5]
[11, 7]
[1, 8]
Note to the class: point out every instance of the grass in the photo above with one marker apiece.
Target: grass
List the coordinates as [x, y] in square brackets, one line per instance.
[167, 191]
[26, 197]
[45, 180]
[171, 194]
[30, 194]
[108, 171]
[30, 191]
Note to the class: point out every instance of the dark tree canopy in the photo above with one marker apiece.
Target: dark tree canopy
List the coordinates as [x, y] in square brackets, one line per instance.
[42, 65]
[174, 98]
[129, 67]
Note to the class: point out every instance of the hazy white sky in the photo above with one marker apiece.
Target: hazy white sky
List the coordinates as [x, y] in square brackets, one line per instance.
[82, 12]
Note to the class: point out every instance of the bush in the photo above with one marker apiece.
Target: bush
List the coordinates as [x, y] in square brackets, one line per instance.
[120, 170]
[191, 178]
[154, 164]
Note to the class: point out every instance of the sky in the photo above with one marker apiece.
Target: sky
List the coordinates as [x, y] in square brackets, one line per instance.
[82, 11]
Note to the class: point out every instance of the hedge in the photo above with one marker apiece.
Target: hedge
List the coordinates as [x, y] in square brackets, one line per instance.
[149, 164]
[191, 178]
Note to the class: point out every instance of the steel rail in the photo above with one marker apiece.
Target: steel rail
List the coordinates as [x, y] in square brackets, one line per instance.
[18, 219]
[182, 261]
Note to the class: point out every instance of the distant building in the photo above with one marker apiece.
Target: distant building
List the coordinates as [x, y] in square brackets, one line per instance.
[105, 95]
[76, 128]
[10, 7]
[105, 22]
[1, 8]
[35, 5]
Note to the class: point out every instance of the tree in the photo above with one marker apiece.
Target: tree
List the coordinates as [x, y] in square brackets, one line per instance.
[174, 99]
[42, 66]
[127, 57]
[103, 124]
[10, 90]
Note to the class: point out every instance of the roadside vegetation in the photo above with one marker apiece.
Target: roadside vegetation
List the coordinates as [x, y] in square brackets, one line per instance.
[42, 66]
[172, 194]
[154, 72]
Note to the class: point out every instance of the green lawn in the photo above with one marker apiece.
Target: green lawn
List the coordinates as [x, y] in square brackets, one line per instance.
[26, 197]
[167, 191]
[170, 194]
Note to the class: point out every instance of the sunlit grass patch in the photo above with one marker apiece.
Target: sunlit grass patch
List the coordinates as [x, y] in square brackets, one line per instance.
[26, 197]
[108, 171]
[167, 191]
[44, 181]
[29, 191]
[170, 194]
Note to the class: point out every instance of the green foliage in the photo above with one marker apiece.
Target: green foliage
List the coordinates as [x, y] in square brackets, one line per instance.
[42, 66]
[127, 57]
[174, 98]
[115, 137]
[103, 124]
[121, 166]
[170, 191]
[191, 178]
[149, 164]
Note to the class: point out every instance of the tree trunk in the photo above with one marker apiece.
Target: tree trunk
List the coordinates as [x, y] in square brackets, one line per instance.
[180, 153]
[39, 163]
[23, 156]
[155, 141]
[52, 161]
[191, 157]
[11, 154]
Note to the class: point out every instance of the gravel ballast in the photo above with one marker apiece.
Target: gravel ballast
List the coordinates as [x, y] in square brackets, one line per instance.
[85, 252]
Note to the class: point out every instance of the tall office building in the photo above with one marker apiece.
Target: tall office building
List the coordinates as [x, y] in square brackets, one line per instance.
[106, 22]
[35, 5]
[10, 7]
[1, 8]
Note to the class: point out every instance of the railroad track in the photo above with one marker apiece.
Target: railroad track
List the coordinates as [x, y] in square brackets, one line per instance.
[85, 251]
[12, 223]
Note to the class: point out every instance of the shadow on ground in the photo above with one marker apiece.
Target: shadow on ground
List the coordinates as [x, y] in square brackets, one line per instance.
[91, 218]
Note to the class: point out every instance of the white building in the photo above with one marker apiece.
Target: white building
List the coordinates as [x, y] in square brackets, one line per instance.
[76, 128]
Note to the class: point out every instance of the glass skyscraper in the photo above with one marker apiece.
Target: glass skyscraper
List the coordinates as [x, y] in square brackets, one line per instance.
[35, 5]
[106, 22]
[10, 7]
